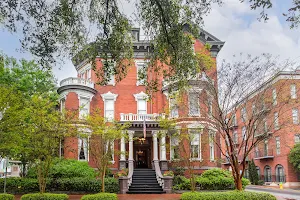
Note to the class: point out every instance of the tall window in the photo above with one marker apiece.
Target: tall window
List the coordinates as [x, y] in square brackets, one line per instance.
[277, 145]
[267, 173]
[210, 107]
[297, 138]
[274, 95]
[244, 133]
[266, 148]
[194, 104]
[109, 105]
[142, 106]
[174, 147]
[244, 114]
[293, 91]
[89, 74]
[83, 149]
[265, 126]
[84, 107]
[295, 116]
[109, 109]
[280, 177]
[235, 137]
[140, 73]
[276, 121]
[211, 146]
[62, 104]
[173, 108]
[109, 147]
[195, 143]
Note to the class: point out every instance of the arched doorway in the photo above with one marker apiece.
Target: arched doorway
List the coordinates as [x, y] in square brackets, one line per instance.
[267, 174]
[280, 176]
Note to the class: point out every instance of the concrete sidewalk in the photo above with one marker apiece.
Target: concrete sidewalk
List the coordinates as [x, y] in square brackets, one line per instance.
[281, 194]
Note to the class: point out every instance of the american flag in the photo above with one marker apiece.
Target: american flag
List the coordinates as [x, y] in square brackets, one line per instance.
[144, 125]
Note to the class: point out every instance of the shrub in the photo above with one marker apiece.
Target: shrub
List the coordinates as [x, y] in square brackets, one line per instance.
[261, 182]
[232, 195]
[179, 171]
[45, 196]
[7, 197]
[168, 173]
[100, 196]
[66, 168]
[26, 185]
[213, 179]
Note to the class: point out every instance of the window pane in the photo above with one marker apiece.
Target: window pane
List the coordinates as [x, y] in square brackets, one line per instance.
[293, 91]
[295, 115]
[194, 104]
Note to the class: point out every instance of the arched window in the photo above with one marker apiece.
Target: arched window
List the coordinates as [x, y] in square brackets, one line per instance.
[267, 173]
[280, 177]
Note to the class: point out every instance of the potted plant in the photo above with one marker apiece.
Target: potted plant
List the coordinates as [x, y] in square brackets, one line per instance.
[168, 173]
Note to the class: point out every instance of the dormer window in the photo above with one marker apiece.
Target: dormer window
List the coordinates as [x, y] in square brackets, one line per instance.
[135, 33]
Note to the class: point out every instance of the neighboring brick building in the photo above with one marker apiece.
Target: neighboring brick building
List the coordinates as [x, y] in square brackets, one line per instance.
[125, 101]
[271, 156]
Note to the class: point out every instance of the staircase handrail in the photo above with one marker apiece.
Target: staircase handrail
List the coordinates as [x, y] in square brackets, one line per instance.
[130, 173]
[158, 173]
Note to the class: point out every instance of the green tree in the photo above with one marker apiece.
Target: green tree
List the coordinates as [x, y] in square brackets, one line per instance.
[62, 27]
[19, 82]
[253, 175]
[102, 135]
[294, 157]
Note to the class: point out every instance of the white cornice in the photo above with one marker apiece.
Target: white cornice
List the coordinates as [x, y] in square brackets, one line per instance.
[140, 96]
[109, 95]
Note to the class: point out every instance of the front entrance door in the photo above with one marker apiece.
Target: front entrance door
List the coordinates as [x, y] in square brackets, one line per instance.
[142, 161]
[142, 153]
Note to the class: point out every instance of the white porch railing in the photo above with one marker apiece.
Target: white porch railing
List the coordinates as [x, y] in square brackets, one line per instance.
[76, 81]
[141, 117]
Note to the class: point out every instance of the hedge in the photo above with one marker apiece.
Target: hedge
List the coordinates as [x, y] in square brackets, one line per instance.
[7, 197]
[66, 168]
[213, 179]
[100, 196]
[231, 195]
[45, 196]
[26, 185]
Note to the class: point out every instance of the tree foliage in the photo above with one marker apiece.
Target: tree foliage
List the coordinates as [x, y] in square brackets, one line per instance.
[253, 175]
[294, 157]
[102, 136]
[67, 28]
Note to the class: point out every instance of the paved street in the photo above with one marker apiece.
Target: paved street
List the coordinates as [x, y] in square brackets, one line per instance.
[284, 194]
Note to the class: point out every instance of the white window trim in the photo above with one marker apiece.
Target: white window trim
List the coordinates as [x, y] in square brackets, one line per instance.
[277, 139]
[109, 96]
[194, 114]
[141, 96]
[112, 75]
[200, 150]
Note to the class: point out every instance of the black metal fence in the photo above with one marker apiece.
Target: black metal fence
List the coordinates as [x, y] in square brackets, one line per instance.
[273, 178]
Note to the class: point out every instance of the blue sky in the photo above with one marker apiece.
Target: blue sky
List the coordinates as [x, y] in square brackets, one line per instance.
[233, 23]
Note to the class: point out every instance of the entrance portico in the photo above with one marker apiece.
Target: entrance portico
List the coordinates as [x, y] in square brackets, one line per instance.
[142, 152]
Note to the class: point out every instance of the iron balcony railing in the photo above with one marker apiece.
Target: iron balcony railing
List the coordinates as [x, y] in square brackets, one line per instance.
[263, 154]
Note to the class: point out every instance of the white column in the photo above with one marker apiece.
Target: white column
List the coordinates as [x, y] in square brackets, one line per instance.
[163, 148]
[130, 133]
[122, 149]
[155, 149]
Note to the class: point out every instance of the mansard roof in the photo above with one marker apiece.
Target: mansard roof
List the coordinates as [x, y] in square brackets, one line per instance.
[142, 47]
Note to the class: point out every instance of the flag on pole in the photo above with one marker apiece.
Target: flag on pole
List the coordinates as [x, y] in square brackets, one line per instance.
[144, 126]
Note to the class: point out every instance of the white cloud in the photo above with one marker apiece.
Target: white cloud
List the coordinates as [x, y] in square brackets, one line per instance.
[244, 33]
